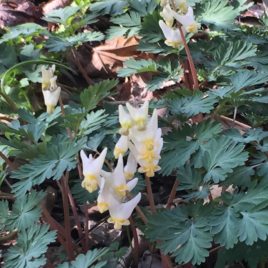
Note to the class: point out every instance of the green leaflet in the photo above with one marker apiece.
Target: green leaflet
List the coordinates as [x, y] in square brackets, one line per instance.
[58, 158]
[31, 246]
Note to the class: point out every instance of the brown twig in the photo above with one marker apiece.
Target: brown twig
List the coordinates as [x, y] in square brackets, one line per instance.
[150, 194]
[8, 162]
[172, 194]
[7, 196]
[86, 230]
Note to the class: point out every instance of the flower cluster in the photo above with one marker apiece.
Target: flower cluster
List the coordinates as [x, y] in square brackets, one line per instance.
[142, 136]
[177, 10]
[51, 91]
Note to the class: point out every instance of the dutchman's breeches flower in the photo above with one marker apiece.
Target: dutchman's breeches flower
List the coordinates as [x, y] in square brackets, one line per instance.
[51, 91]
[91, 170]
[125, 120]
[121, 146]
[120, 212]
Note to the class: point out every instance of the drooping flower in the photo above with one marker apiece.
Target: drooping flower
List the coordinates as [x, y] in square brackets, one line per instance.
[91, 170]
[131, 167]
[125, 120]
[188, 20]
[139, 115]
[173, 36]
[181, 6]
[120, 212]
[121, 146]
[50, 90]
[166, 14]
[106, 196]
[146, 146]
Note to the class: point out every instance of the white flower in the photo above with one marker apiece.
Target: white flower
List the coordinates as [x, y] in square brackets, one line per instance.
[131, 167]
[91, 170]
[106, 197]
[181, 5]
[47, 75]
[188, 20]
[166, 14]
[139, 115]
[120, 212]
[146, 146]
[125, 120]
[51, 98]
[173, 36]
[121, 146]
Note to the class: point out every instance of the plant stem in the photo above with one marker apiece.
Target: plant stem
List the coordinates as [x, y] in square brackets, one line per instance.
[8, 162]
[136, 249]
[67, 225]
[86, 229]
[190, 59]
[150, 194]
[75, 214]
[172, 193]
[141, 214]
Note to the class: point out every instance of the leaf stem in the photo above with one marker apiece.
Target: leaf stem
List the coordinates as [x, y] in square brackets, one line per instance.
[136, 249]
[67, 225]
[150, 194]
[8, 162]
[172, 193]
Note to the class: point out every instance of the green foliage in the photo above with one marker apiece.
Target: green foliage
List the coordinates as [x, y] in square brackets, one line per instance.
[112, 7]
[58, 158]
[57, 44]
[186, 238]
[24, 214]
[31, 246]
[91, 96]
[128, 25]
[90, 259]
[220, 12]
[220, 156]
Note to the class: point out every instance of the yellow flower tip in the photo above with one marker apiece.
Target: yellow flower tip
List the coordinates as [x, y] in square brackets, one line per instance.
[183, 7]
[149, 144]
[148, 156]
[102, 206]
[125, 126]
[149, 170]
[121, 190]
[50, 109]
[140, 123]
[193, 28]
[118, 151]
[90, 183]
[118, 223]
[173, 44]
[46, 85]
[128, 175]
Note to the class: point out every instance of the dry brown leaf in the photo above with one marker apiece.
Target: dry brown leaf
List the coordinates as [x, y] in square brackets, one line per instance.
[55, 4]
[108, 57]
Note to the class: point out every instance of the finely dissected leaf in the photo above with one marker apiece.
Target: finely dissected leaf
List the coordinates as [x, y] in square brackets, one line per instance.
[137, 66]
[253, 226]
[61, 15]
[93, 122]
[186, 240]
[219, 12]
[180, 145]
[31, 246]
[112, 7]
[129, 25]
[87, 260]
[91, 96]
[221, 156]
[4, 214]
[225, 226]
[25, 211]
[57, 44]
[60, 157]
[25, 29]
[192, 105]
[143, 7]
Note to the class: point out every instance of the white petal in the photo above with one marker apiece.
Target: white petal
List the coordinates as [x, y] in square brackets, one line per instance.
[99, 161]
[131, 165]
[132, 184]
[124, 210]
[51, 97]
[186, 19]
[118, 176]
